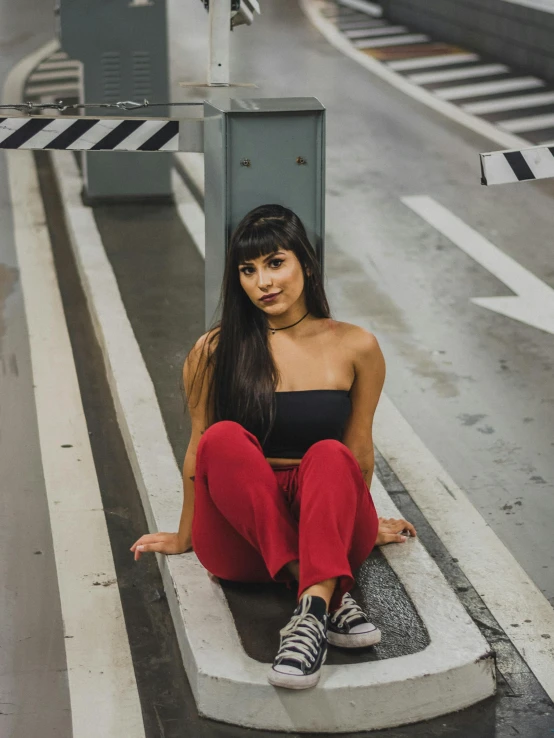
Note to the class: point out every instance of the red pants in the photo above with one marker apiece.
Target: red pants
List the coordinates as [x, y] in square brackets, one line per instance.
[251, 520]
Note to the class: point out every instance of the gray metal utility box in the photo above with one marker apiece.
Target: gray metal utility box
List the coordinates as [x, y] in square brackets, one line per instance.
[257, 152]
[124, 50]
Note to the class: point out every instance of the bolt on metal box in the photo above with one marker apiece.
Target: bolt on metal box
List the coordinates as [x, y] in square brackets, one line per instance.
[257, 152]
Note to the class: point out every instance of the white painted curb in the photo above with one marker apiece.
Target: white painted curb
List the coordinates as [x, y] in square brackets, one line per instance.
[103, 693]
[453, 672]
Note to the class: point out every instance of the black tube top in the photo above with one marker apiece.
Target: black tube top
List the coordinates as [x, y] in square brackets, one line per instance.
[305, 417]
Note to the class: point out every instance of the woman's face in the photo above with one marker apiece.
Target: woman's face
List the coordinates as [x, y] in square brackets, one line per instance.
[279, 272]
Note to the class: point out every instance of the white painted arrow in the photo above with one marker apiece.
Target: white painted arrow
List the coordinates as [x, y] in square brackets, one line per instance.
[533, 302]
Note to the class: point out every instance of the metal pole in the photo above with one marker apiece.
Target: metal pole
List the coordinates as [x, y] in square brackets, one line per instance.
[220, 27]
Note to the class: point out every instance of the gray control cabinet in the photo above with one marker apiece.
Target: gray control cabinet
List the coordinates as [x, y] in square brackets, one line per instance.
[256, 152]
[123, 47]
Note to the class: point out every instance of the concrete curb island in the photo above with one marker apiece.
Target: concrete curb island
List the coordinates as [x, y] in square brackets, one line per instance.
[454, 671]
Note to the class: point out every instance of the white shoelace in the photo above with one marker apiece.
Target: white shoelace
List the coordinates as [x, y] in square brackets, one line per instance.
[348, 611]
[302, 631]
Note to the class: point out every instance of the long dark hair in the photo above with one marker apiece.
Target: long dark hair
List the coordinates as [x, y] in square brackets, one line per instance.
[244, 375]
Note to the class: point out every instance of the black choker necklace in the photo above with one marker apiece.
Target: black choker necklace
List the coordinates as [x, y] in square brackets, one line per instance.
[287, 326]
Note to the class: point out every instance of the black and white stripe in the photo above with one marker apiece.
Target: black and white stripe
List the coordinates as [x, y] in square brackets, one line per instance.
[501, 167]
[89, 134]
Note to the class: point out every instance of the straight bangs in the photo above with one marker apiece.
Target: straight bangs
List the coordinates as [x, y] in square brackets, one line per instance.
[239, 356]
[261, 239]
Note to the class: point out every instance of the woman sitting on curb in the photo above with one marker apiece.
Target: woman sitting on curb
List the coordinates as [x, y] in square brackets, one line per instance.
[277, 472]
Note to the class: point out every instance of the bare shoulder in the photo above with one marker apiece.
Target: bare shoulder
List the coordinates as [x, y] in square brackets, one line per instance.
[361, 342]
[206, 342]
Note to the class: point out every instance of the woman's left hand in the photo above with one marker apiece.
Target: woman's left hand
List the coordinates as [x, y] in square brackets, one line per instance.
[394, 530]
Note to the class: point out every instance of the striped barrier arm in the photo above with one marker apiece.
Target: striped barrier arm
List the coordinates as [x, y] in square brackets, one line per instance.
[501, 167]
[83, 133]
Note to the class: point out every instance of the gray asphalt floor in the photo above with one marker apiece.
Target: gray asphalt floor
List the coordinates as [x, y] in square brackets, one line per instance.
[475, 386]
[34, 695]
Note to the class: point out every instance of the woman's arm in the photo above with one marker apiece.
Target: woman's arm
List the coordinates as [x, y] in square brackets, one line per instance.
[187, 513]
[367, 465]
[181, 541]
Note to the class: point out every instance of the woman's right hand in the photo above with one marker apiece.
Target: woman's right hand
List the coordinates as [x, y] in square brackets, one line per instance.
[394, 530]
[166, 543]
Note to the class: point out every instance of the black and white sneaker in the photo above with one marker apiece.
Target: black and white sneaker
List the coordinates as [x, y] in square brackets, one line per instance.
[303, 648]
[349, 626]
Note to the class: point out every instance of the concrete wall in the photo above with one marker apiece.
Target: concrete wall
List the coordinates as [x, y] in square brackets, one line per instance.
[519, 35]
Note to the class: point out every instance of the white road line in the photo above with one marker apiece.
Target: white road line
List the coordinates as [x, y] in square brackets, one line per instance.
[416, 38]
[488, 88]
[365, 23]
[375, 11]
[533, 303]
[58, 56]
[405, 65]
[371, 32]
[544, 5]
[38, 77]
[193, 163]
[448, 75]
[516, 102]
[51, 89]
[59, 65]
[190, 212]
[530, 123]
[102, 685]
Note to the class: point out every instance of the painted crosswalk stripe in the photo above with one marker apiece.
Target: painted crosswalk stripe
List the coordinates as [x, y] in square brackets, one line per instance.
[369, 32]
[516, 102]
[363, 6]
[400, 40]
[406, 65]
[51, 89]
[58, 56]
[351, 25]
[62, 74]
[67, 64]
[449, 75]
[488, 88]
[527, 124]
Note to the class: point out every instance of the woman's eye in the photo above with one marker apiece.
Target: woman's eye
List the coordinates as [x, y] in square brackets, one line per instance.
[246, 270]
